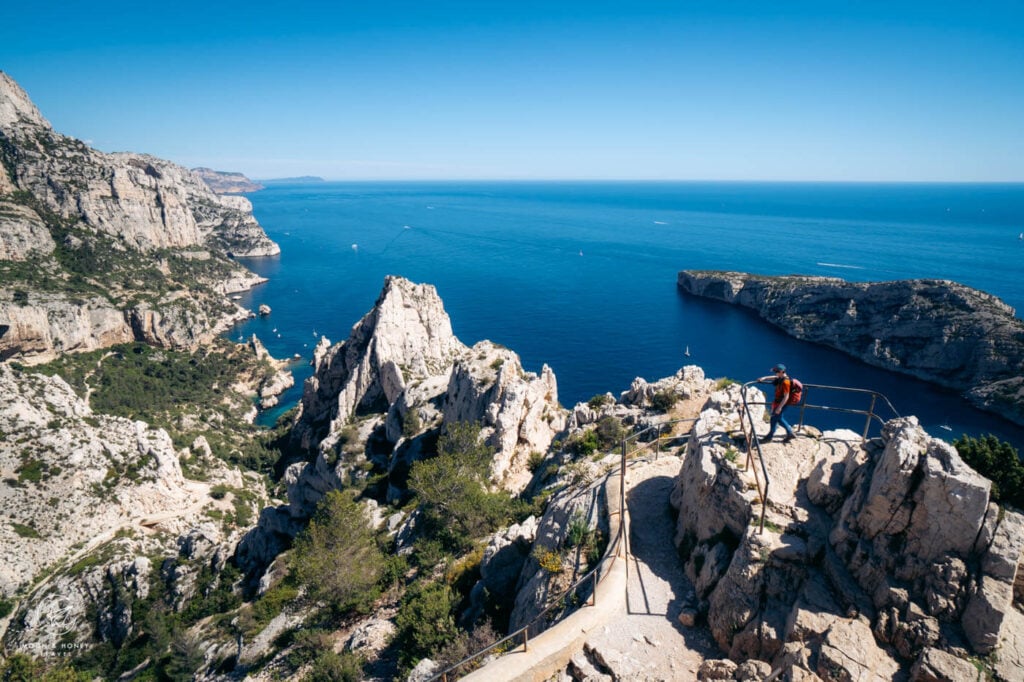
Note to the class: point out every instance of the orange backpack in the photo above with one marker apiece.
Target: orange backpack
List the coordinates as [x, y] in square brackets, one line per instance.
[796, 392]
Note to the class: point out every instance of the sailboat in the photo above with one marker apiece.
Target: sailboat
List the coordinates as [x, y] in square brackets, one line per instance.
[1020, 236]
[687, 353]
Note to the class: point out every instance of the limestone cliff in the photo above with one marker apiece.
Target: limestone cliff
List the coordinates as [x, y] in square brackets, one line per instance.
[100, 248]
[224, 182]
[87, 499]
[398, 380]
[936, 330]
[877, 558]
[142, 201]
[403, 358]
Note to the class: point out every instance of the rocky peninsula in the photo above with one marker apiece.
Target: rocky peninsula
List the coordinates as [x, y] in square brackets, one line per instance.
[936, 330]
[227, 182]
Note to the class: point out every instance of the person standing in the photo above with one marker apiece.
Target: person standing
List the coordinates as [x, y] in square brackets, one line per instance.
[783, 386]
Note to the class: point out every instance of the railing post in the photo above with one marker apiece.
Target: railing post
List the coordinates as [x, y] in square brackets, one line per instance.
[867, 420]
[803, 408]
[526, 639]
[593, 589]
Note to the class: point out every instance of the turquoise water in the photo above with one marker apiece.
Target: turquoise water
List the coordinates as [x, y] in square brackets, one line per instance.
[582, 276]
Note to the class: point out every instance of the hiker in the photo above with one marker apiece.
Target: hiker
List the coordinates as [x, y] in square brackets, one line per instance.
[783, 386]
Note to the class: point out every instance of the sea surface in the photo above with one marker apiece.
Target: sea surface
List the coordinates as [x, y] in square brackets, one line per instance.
[582, 276]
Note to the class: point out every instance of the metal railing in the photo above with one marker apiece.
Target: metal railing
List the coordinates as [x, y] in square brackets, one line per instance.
[616, 546]
[754, 444]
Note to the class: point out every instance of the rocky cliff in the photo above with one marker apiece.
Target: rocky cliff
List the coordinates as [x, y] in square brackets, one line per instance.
[878, 560]
[96, 513]
[397, 381]
[223, 182]
[935, 330]
[98, 248]
[402, 358]
[141, 201]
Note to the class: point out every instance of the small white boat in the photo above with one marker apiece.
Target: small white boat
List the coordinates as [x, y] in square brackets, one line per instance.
[687, 353]
[947, 427]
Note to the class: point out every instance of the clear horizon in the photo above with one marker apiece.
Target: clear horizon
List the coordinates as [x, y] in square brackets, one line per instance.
[596, 91]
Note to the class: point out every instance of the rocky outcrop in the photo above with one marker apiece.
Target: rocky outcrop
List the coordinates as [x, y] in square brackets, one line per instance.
[142, 201]
[41, 326]
[115, 247]
[225, 182]
[97, 512]
[399, 378]
[876, 559]
[936, 330]
[24, 233]
[78, 474]
[402, 358]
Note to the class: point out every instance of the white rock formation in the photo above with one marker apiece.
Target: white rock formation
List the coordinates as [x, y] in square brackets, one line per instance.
[902, 551]
[144, 202]
[93, 223]
[401, 354]
[80, 476]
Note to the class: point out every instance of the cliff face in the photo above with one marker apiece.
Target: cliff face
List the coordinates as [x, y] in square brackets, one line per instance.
[223, 182]
[935, 330]
[144, 202]
[102, 248]
[878, 559]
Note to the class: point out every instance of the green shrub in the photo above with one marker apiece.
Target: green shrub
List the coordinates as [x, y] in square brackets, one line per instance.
[999, 462]
[579, 531]
[25, 531]
[31, 471]
[451, 489]
[582, 442]
[425, 621]
[271, 604]
[663, 401]
[535, 460]
[610, 432]
[6, 606]
[723, 383]
[599, 401]
[329, 666]
[336, 558]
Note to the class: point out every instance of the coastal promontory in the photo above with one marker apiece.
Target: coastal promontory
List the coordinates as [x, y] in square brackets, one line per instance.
[936, 330]
[227, 182]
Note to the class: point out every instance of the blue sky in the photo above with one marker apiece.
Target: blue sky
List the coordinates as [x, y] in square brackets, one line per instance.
[712, 90]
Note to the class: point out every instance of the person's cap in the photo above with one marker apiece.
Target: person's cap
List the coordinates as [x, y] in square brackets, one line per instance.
[779, 368]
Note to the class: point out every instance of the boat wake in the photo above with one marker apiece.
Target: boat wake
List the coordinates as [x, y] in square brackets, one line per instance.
[840, 265]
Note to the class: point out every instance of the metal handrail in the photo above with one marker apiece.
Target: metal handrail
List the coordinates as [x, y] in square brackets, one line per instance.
[752, 440]
[621, 541]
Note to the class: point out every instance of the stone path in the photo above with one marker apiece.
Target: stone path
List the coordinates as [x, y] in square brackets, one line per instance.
[647, 642]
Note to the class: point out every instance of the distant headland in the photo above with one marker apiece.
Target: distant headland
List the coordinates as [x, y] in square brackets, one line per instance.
[301, 179]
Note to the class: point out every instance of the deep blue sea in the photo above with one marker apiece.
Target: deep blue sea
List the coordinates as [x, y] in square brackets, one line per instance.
[582, 276]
